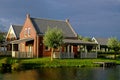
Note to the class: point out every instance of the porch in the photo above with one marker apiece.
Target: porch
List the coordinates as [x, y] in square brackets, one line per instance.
[81, 49]
[24, 48]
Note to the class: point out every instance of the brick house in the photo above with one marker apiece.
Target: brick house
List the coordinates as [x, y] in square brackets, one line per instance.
[30, 43]
[32, 33]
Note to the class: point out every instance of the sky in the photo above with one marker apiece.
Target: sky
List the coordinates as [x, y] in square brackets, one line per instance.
[89, 18]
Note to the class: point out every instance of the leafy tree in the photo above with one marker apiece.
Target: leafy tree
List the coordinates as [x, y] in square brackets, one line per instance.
[114, 44]
[84, 38]
[87, 39]
[80, 37]
[2, 38]
[53, 38]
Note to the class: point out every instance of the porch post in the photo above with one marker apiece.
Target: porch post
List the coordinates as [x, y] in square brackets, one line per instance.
[98, 47]
[68, 49]
[96, 51]
[60, 52]
[86, 51]
[78, 47]
[72, 52]
[12, 49]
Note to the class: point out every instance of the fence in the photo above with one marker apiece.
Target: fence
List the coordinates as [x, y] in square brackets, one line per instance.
[5, 53]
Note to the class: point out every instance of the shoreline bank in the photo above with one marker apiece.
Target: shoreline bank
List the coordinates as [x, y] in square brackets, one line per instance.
[25, 64]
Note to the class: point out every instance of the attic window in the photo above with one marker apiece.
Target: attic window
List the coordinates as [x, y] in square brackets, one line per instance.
[29, 31]
[25, 32]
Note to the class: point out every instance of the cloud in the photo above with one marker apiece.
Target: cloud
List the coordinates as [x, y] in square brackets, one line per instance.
[86, 16]
[3, 24]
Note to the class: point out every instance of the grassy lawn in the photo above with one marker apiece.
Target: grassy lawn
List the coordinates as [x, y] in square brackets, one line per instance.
[67, 62]
[45, 62]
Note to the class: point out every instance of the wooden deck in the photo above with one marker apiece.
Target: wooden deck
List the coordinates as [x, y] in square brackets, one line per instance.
[106, 64]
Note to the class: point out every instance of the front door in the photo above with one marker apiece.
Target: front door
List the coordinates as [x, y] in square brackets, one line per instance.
[30, 50]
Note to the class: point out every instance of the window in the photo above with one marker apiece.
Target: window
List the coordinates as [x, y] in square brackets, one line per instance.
[29, 31]
[25, 32]
[47, 48]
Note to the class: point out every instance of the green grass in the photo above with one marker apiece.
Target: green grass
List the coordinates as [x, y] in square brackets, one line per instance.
[46, 62]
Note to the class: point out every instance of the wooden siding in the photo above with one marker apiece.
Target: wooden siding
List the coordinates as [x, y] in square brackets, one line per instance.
[11, 35]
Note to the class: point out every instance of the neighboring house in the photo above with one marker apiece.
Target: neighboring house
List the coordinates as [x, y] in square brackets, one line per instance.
[2, 42]
[31, 39]
[102, 43]
[13, 34]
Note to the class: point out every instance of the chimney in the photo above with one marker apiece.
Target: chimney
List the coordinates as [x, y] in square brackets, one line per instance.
[67, 20]
[28, 15]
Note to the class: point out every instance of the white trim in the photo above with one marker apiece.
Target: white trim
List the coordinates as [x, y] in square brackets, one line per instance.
[71, 48]
[94, 40]
[29, 31]
[10, 29]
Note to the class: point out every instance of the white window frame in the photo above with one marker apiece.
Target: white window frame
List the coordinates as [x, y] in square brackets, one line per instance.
[25, 32]
[29, 31]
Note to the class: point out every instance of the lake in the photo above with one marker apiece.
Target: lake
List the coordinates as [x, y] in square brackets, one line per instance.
[95, 73]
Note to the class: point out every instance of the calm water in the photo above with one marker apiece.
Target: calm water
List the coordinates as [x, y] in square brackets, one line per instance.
[65, 74]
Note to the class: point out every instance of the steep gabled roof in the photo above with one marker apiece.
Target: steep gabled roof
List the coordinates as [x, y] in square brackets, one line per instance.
[101, 41]
[17, 29]
[41, 26]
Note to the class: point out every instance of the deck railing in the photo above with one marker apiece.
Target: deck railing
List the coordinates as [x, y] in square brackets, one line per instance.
[63, 55]
[88, 55]
[17, 54]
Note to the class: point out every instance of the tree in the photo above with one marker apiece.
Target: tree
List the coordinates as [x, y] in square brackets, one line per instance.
[2, 38]
[84, 38]
[114, 44]
[87, 39]
[53, 38]
[80, 37]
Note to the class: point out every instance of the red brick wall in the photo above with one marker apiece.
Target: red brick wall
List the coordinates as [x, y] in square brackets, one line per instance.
[28, 24]
[41, 48]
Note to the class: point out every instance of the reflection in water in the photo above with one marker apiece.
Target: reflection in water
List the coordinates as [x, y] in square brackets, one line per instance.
[65, 74]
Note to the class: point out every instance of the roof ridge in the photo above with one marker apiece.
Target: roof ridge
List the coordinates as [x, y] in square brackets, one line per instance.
[101, 38]
[16, 25]
[49, 19]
